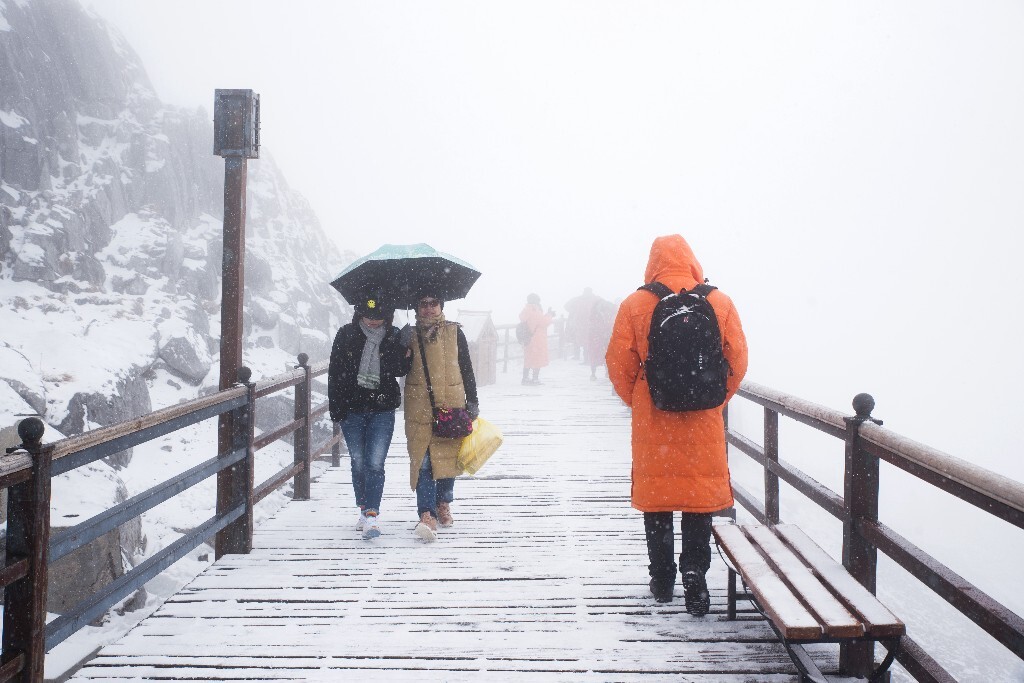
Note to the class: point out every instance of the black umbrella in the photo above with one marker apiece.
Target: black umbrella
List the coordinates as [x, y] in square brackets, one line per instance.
[400, 273]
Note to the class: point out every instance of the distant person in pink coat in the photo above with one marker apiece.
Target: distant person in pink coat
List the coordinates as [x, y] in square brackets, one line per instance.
[535, 353]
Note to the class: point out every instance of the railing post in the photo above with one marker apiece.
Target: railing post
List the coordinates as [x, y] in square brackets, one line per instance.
[771, 454]
[303, 434]
[28, 531]
[860, 498]
[236, 486]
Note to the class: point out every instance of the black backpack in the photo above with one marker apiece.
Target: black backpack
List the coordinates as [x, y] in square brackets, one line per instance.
[685, 367]
[523, 333]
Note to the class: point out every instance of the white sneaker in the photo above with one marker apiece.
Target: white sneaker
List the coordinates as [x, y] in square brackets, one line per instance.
[426, 530]
[361, 522]
[370, 528]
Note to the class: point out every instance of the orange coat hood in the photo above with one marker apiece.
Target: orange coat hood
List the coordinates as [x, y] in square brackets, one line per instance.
[673, 261]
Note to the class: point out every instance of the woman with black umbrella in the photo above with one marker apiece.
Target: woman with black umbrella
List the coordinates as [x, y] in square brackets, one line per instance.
[440, 351]
[363, 395]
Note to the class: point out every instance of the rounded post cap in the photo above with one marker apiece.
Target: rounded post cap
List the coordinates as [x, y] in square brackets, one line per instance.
[303, 359]
[863, 404]
[31, 429]
[244, 374]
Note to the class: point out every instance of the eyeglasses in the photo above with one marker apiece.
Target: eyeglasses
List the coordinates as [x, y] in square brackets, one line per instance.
[429, 303]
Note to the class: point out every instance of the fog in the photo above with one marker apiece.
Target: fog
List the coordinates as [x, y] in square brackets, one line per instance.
[850, 173]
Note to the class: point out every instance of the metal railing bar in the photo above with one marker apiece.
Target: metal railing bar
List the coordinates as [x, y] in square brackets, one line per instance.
[749, 502]
[76, 537]
[814, 415]
[919, 663]
[272, 484]
[899, 450]
[136, 436]
[270, 437]
[279, 382]
[319, 410]
[820, 494]
[328, 445]
[14, 469]
[320, 368]
[12, 667]
[13, 572]
[964, 492]
[746, 446]
[82, 442]
[997, 620]
[123, 586]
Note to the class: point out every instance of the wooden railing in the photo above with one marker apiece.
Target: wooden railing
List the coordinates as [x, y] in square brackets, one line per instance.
[867, 443]
[510, 349]
[27, 474]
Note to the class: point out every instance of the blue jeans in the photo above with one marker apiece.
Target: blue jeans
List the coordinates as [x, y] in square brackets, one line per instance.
[368, 436]
[430, 492]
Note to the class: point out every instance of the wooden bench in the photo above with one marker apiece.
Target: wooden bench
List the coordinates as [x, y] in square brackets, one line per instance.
[805, 595]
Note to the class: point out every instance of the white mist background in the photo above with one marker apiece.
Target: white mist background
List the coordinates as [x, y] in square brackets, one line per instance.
[851, 173]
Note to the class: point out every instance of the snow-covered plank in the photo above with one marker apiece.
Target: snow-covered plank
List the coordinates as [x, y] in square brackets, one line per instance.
[879, 621]
[774, 596]
[543, 577]
[833, 616]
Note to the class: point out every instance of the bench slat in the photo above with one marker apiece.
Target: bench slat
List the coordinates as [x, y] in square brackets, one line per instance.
[833, 616]
[783, 608]
[878, 620]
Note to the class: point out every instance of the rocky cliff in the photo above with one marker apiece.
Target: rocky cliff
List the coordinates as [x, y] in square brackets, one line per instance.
[110, 241]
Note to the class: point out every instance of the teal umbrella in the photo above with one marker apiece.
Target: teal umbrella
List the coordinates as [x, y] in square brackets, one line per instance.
[400, 273]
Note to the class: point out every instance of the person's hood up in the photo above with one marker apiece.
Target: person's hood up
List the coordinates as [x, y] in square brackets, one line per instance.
[671, 258]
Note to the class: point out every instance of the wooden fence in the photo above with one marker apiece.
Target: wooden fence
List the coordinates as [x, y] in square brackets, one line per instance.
[867, 443]
[27, 473]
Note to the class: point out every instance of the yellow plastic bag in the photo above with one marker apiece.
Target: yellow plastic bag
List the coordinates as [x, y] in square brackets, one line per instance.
[479, 445]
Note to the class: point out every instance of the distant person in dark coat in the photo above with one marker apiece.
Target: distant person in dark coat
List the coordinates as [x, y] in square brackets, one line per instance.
[363, 394]
[599, 332]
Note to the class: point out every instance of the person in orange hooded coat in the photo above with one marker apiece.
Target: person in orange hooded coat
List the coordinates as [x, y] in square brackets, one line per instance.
[679, 458]
[535, 353]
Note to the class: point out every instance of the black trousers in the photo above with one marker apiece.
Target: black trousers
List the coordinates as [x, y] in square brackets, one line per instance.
[695, 550]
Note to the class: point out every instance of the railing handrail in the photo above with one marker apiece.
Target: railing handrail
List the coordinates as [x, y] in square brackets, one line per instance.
[867, 444]
[979, 479]
[27, 474]
[975, 477]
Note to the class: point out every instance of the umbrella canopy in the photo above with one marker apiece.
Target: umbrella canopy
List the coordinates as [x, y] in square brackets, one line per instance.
[399, 273]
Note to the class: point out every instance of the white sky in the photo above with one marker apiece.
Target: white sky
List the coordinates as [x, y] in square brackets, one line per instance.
[851, 173]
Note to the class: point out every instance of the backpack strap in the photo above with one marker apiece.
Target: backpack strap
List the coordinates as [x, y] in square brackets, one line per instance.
[657, 289]
[703, 289]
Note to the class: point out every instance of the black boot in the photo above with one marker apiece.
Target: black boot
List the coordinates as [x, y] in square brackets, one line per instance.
[695, 592]
[662, 588]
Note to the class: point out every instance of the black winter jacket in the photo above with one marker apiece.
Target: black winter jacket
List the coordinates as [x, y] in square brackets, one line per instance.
[343, 394]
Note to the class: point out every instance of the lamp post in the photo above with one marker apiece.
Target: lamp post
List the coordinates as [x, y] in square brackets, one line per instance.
[236, 137]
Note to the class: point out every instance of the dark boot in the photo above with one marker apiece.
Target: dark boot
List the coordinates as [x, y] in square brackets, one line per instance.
[695, 593]
[536, 376]
[662, 588]
[526, 376]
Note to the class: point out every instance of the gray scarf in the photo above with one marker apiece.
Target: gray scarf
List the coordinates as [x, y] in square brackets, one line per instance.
[369, 365]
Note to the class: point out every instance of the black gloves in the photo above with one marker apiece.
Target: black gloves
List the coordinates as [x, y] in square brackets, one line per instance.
[473, 408]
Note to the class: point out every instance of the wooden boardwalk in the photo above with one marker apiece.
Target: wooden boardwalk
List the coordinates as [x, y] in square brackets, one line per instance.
[542, 578]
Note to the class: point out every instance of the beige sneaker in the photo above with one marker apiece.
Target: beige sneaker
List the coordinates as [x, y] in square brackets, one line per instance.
[427, 528]
[444, 515]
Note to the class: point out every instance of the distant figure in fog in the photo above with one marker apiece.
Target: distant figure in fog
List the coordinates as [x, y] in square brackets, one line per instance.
[577, 322]
[535, 353]
[599, 332]
[679, 458]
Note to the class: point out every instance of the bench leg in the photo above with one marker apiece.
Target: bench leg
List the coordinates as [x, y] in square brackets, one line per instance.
[809, 671]
[730, 612]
